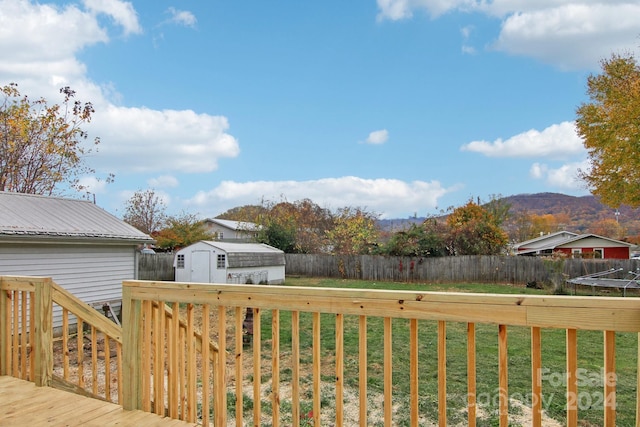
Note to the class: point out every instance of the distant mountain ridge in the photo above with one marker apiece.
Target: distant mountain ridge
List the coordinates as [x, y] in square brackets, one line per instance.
[581, 211]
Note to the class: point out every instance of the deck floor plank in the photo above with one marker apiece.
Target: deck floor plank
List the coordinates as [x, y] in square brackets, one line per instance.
[25, 404]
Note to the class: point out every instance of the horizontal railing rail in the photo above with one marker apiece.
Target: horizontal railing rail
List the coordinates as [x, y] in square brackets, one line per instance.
[304, 371]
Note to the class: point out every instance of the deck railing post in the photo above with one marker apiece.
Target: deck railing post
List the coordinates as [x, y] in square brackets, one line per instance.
[43, 311]
[4, 330]
[131, 353]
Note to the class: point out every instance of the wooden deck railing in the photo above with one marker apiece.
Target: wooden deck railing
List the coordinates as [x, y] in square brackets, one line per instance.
[302, 366]
[273, 379]
[85, 357]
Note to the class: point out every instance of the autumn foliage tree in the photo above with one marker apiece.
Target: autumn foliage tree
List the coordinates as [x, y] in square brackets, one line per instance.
[473, 230]
[182, 230]
[354, 232]
[145, 210]
[42, 145]
[609, 125]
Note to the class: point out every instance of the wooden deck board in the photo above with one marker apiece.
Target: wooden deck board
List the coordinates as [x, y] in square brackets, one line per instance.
[25, 404]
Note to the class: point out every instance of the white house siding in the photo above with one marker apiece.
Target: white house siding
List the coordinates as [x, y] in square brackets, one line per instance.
[93, 273]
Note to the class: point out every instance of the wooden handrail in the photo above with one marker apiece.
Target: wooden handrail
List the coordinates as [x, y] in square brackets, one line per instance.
[608, 314]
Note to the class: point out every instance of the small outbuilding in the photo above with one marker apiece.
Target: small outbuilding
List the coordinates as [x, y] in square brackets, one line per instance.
[85, 249]
[229, 262]
[575, 246]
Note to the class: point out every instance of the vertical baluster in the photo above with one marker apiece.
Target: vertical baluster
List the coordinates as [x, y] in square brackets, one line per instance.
[536, 377]
[295, 369]
[471, 374]
[94, 360]
[362, 381]
[413, 371]
[609, 378]
[205, 365]
[339, 369]
[257, 379]
[317, 366]
[239, 360]
[572, 377]
[503, 378]
[388, 372]
[275, 367]
[442, 373]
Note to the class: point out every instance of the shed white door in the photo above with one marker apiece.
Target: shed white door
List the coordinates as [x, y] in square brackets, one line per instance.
[201, 266]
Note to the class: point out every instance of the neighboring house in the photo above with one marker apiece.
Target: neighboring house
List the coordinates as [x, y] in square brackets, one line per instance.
[85, 249]
[224, 229]
[575, 245]
[227, 262]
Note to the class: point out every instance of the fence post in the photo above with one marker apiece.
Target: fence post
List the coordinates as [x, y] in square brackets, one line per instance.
[43, 317]
[131, 354]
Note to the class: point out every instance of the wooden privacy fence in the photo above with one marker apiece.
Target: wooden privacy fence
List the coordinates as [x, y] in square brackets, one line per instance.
[156, 267]
[304, 373]
[450, 269]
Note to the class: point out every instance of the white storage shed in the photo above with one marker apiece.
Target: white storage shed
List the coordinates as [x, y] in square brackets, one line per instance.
[85, 249]
[226, 262]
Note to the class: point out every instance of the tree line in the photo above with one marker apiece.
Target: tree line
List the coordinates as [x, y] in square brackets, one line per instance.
[43, 151]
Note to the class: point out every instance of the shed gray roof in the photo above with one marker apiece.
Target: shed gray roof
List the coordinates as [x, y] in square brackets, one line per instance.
[27, 216]
[249, 254]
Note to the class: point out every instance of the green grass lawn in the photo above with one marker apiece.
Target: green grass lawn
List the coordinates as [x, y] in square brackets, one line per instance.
[590, 356]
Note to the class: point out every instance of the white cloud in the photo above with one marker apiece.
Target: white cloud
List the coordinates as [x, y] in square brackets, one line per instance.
[182, 17]
[163, 181]
[93, 185]
[570, 34]
[378, 137]
[122, 12]
[573, 35]
[388, 197]
[40, 44]
[556, 141]
[141, 139]
[395, 10]
[564, 177]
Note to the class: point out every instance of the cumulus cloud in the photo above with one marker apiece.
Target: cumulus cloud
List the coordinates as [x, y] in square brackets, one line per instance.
[182, 17]
[388, 197]
[378, 137]
[122, 13]
[570, 34]
[40, 44]
[556, 141]
[142, 140]
[564, 177]
[163, 181]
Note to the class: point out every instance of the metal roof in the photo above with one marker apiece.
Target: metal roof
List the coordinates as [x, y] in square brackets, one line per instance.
[30, 216]
[235, 225]
[230, 247]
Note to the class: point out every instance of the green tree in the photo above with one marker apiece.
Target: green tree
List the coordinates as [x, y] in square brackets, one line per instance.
[609, 125]
[423, 240]
[41, 145]
[298, 227]
[354, 232]
[474, 231]
[145, 210]
[182, 230]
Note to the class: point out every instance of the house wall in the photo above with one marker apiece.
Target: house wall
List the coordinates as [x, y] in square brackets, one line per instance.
[609, 252]
[93, 273]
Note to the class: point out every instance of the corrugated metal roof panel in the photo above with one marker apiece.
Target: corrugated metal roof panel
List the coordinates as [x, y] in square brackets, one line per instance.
[32, 215]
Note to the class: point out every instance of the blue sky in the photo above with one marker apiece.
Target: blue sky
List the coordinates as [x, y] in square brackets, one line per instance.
[402, 107]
